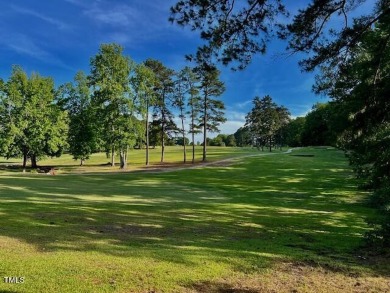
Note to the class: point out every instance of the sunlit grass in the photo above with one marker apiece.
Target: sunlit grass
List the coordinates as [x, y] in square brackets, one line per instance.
[279, 222]
[99, 162]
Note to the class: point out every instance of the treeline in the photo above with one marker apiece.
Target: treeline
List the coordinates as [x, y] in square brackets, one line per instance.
[117, 106]
[270, 125]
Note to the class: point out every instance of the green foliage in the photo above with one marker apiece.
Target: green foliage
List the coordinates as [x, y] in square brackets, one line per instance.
[223, 140]
[163, 91]
[76, 100]
[243, 137]
[179, 141]
[294, 131]
[191, 81]
[266, 120]
[233, 32]
[361, 84]
[112, 99]
[32, 124]
[211, 111]
[316, 129]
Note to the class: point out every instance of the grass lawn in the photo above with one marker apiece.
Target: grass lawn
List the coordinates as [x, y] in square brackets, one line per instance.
[275, 223]
[136, 159]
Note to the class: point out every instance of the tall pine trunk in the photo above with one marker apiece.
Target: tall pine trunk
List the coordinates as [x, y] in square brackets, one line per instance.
[193, 147]
[162, 142]
[184, 137]
[193, 133]
[205, 129]
[147, 132]
[162, 130]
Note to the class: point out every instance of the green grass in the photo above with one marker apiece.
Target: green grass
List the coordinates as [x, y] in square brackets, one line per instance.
[136, 159]
[268, 223]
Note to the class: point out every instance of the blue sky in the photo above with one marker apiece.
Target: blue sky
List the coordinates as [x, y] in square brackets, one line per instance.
[58, 37]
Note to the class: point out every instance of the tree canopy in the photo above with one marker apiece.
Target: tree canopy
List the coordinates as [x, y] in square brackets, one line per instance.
[236, 30]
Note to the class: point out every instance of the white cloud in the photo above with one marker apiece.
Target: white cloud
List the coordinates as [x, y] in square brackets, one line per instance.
[76, 2]
[243, 104]
[117, 16]
[50, 20]
[235, 115]
[230, 127]
[24, 45]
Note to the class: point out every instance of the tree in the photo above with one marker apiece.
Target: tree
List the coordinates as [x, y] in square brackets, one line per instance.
[265, 121]
[312, 31]
[211, 112]
[110, 79]
[293, 131]
[230, 141]
[32, 124]
[163, 88]
[361, 85]
[76, 100]
[316, 129]
[181, 90]
[234, 31]
[143, 83]
[191, 83]
[243, 137]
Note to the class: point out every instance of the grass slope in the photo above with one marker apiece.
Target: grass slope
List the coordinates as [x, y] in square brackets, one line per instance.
[278, 223]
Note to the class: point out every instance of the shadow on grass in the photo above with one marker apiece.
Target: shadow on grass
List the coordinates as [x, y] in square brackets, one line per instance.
[247, 216]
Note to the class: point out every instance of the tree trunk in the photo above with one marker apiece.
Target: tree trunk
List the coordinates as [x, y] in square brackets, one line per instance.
[113, 156]
[193, 134]
[81, 162]
[270, 144]
[123, 158]
[162, 130]
[162, 145]
[147, 132]
[24, 159]
[34, 162]
[205, 130]
[193, 148]
[184, 137]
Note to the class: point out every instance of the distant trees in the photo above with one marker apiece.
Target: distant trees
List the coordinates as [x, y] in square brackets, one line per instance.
[293, 131]
[265, 121]
[243, 137]
[316, 129]
[223, 140]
